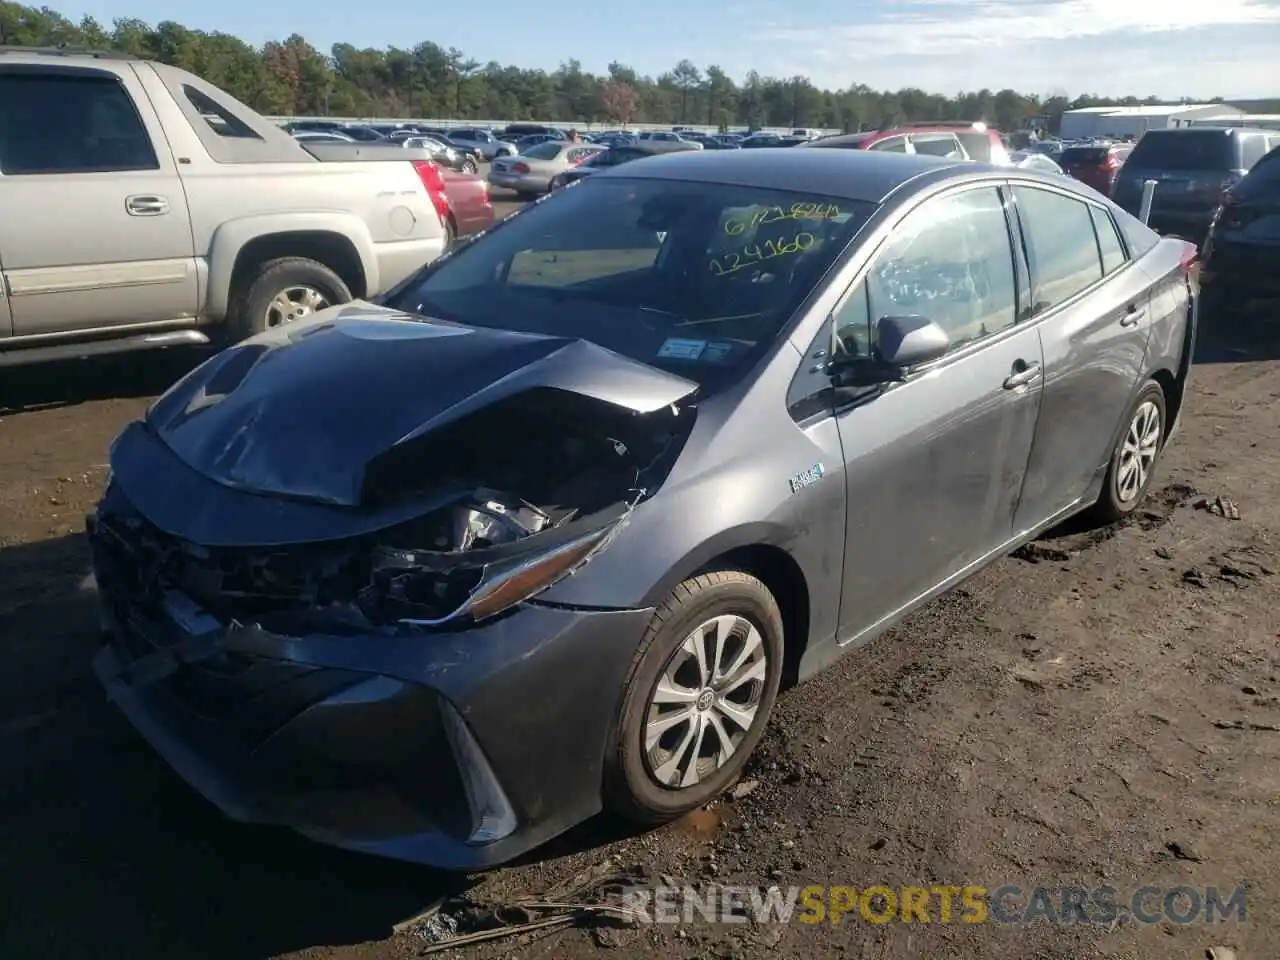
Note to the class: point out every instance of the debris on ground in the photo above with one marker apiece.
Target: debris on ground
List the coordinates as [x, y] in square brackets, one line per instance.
[1219, 507]
[1036, 552]
[593, 899]
[744, 789]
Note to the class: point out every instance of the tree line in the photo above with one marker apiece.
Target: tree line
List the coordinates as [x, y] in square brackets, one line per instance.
[292, 78]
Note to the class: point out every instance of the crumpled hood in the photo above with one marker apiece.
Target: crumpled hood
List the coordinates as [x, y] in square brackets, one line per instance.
[300, 411]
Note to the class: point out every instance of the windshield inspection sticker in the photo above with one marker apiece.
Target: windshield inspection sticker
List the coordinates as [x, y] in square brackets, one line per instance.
[677, 349]
[717, 351]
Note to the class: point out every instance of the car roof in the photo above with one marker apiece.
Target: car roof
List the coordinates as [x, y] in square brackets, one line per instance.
[848, 174]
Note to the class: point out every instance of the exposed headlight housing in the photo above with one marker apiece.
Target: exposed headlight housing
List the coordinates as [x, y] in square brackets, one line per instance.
[429, 589]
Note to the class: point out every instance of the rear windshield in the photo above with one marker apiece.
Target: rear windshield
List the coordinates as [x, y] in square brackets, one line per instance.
[547, 150]
[1084, 156]
[1184, 150]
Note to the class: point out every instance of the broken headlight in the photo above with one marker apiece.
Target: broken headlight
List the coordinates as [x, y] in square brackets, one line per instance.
[434, 588]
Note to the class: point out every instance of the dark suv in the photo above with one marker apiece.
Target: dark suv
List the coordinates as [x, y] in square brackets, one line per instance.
[1242, 254]
[1193, 168]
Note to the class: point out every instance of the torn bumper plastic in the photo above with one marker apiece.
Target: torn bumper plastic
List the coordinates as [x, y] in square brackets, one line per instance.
[459, 750]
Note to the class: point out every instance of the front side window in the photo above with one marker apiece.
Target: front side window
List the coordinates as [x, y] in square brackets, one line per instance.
[1061, 247]
[63, 123]
[697, 278]
[951, 262]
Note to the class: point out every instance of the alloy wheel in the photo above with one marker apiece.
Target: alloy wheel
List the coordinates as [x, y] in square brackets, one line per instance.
[1138, 453]
[705, 701]
[294, 303]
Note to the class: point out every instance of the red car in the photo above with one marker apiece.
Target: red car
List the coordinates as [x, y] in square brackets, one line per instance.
[470, 209]
[1096, 164]
[964, 141]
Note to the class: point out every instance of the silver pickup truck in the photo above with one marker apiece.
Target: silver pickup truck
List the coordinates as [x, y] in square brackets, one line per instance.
[143, 207]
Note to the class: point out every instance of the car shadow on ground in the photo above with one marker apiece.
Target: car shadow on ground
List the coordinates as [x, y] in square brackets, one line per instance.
[69, 382]
[113, 854]
[1243, 336]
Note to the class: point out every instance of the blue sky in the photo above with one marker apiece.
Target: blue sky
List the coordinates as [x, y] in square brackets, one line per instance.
[1168, 48]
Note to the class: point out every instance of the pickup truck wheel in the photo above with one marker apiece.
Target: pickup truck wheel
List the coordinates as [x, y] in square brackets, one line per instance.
[282, 291]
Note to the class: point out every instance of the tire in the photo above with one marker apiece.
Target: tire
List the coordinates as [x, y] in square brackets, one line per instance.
[632, 787]
[1118, 499]
[281, 278]
[469, 166]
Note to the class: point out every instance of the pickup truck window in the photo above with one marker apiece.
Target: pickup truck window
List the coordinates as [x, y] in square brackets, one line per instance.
[70, 123]
[220, 120]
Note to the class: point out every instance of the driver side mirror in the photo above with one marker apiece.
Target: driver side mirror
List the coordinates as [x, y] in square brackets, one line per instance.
[901, 343]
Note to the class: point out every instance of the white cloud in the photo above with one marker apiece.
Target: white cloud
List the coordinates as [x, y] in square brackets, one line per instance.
[1107, 46]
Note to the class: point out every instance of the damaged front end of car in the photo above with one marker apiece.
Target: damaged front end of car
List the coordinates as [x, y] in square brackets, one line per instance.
[522, 494]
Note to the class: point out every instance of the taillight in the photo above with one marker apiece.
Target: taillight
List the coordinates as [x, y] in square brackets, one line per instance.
[1188, 260]
[520, 168]
[430, 176]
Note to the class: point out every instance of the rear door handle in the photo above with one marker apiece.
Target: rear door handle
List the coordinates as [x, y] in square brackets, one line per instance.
[1024, 376]
[1132, 318]
[146, 205]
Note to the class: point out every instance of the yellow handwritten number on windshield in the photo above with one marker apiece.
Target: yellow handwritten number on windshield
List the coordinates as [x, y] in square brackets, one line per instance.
[798, 211]
[754, 253]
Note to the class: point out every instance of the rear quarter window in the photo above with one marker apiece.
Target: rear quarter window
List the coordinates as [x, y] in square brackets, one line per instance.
[1138, 237]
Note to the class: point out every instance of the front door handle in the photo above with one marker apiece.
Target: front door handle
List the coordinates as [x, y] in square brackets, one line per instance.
[1132, 318]
[146, 205]
[1022, 377]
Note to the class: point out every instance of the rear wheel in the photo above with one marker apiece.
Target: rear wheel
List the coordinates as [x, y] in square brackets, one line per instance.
[469, 165]
[698, 698]
[283, 291]
[1133, 461]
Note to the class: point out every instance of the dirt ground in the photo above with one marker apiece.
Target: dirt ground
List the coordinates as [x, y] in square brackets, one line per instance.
[1102, 709]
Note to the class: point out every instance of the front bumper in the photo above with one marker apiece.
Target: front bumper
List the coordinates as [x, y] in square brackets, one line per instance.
[456, 750]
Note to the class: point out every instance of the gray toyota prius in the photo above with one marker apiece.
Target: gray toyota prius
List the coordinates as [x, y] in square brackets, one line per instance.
[544, 529]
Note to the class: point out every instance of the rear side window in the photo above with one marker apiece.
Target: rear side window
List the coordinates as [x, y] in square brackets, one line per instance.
[1184, 150]
[976, 145]
[61, 123]
[221, 121]
[1108, 240]
[1061, 246]
[1252, 149]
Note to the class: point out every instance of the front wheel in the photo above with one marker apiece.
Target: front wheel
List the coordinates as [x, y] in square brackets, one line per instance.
[1133, 461]
[698, 697]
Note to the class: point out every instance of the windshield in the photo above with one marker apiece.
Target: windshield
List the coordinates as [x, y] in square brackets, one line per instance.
[695, 278]
[1085, 156]
[1183, 150]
